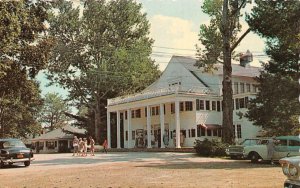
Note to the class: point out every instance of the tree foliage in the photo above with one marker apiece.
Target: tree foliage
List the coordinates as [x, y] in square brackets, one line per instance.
[53, 113]
[24, 51]
[276, 107]
[219, 39]
[102, 53]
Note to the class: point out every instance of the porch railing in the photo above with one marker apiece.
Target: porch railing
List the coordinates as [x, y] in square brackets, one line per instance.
[157, 93]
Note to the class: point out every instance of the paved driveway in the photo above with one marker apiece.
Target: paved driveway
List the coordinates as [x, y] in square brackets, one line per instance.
[140, 169]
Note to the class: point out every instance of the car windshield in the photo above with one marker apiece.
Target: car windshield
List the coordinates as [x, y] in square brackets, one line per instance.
[11, 143]
[249, 142]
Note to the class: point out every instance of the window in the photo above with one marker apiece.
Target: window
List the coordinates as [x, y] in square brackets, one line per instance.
[172, 108]
[237, 105]
[207, 105]
[208, 132]
[282, 143]
[213, 105]
[294, 143]
[145, 111]
[246, 102]
[189, 132]
[126, 136]
[242, 102]
[153, 111]
[248, 88]
[181, 106]
[215, 132]
[242, 88]
[198, 130]
[164, 109]
[202, 130]
[188, 106]
[218, 106]
[138, 113]
[239, 131]
[253, 88]
[199, 104]
[132, 135]
[157, 110]
[220, 132]
[50, 145]
[193, 133]
[125, 114]
[132, 113]
[236, 88]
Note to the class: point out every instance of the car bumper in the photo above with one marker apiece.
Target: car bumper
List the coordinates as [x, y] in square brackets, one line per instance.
[291, 184]
[7, 161]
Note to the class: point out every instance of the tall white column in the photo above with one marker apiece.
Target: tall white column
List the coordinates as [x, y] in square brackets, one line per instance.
[148, 127]
[129, 129]
[108, 130]
[195, 110]
[177, 124]
[162, 125]
[124, 130]
[118, 130]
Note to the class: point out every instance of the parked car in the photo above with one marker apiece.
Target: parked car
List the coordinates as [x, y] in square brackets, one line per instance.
[14, 151]
[237, 151]
[284, 146]
[291, 169]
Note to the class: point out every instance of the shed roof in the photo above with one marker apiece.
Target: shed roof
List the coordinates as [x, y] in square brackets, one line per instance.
[66, 132]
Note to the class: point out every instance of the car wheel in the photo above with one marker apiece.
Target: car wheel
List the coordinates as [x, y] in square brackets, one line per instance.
[27, 163]
[254, 157]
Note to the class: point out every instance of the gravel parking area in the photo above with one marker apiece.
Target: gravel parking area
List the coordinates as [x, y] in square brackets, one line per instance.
[140, 169]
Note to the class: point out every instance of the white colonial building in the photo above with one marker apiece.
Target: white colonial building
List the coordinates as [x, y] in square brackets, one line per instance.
[184, 103]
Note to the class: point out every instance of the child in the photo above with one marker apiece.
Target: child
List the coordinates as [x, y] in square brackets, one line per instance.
[105, 146]
[92, 143]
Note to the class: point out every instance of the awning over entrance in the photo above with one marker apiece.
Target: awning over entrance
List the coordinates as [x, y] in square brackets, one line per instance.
[211, 126]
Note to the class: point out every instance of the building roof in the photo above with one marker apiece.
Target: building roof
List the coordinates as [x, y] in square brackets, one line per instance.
[195, 81]
[66, 132]
[237, 70]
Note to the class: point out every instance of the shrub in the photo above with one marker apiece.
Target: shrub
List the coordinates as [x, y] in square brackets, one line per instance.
[210, 148]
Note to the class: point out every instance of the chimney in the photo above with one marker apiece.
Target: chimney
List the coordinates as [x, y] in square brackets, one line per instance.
[246, 58]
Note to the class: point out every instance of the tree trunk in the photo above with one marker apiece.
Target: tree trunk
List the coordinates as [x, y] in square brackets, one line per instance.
[97, 123]
[227, 135]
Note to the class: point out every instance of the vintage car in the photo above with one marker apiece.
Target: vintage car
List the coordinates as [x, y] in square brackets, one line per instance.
[237, 151]
[284, 146]
[14, 151]
[291, 169]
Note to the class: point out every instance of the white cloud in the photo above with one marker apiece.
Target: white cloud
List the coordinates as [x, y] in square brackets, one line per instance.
[172, 32]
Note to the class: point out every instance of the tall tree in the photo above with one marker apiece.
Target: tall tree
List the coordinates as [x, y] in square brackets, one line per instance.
[54, 110]
[220, 38]
[102, 53]
[276, 107]
[24, 50]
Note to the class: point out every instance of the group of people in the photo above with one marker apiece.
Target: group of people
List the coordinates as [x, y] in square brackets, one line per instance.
[80, 146]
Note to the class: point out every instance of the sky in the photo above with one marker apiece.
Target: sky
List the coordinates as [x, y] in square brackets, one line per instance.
[174, 27]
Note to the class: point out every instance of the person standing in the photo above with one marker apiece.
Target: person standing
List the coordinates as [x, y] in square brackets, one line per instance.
[92, 143]
[84, 147]
[75, 146]
[104, 146]
[166, 139]
[271, 150]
